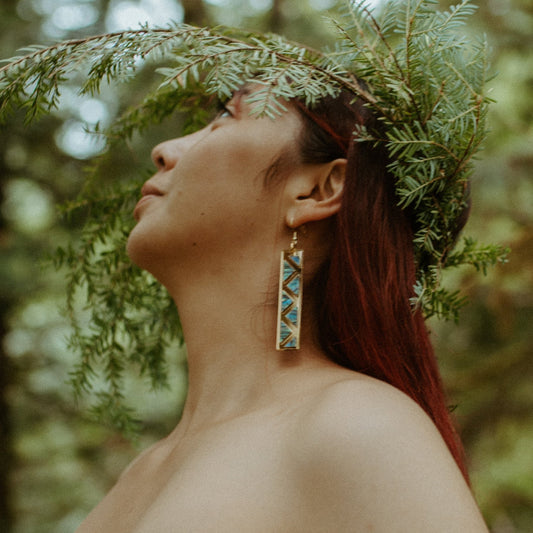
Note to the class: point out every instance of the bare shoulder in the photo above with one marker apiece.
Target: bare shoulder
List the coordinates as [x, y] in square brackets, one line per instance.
[362, 409]
[363, 420]
[377, 458]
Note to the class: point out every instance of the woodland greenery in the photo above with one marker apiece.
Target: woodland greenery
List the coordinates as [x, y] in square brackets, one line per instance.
[56, 463]
[426, 84]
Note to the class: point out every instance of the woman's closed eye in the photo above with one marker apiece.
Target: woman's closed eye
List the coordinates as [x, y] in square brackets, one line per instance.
[224, 111]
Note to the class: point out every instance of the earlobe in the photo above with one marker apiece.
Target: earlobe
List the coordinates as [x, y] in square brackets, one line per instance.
[322, 196]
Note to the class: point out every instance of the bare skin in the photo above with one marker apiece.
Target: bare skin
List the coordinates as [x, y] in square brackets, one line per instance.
[269, 441]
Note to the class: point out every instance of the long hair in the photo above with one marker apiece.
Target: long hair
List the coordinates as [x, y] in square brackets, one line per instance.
[366, 320]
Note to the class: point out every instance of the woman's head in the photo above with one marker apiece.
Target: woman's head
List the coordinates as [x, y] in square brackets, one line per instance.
[209, 191]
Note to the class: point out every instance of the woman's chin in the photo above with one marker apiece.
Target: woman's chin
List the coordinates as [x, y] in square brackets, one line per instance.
[140, 249]
[149, 254]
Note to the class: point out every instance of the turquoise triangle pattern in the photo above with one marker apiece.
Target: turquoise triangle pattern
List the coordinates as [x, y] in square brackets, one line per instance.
[290, 300]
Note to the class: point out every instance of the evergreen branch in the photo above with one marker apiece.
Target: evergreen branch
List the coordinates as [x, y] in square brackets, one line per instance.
[425, 85]
[363, 15]
[408, 42]
[457, 12]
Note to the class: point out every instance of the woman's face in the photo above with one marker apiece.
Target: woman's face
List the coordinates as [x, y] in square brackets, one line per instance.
[208, 195]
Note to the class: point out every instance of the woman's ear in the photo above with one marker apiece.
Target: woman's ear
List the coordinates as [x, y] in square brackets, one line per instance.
[315, 192]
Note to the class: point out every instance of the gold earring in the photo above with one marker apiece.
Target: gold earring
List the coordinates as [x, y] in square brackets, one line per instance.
[290, 297]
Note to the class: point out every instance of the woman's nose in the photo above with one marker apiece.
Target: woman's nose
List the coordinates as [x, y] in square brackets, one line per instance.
[166, 154]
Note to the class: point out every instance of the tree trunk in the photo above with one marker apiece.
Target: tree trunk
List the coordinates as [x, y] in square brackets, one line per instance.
[6, 434]
[194, 12]
[276, 17]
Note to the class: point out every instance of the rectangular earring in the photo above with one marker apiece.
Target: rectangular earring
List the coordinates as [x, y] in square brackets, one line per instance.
[290, 297]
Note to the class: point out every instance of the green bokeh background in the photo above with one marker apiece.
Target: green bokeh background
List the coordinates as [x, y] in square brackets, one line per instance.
[55, 463]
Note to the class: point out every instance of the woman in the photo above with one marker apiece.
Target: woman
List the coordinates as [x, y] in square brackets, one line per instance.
[348, 433]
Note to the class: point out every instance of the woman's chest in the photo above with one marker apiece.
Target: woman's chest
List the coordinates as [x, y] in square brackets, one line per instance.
[237, 479]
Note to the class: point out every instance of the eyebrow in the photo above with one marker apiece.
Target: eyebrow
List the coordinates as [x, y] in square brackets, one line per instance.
[244, 90]
[237, 96]
[239, 93]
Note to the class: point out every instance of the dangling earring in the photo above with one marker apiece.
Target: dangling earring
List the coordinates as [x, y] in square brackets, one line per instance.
[290, 297]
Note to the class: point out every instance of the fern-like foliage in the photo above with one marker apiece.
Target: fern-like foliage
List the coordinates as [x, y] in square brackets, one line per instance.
[425, 83]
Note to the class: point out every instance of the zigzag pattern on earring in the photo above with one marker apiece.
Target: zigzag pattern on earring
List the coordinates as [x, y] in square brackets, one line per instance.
[290, 298]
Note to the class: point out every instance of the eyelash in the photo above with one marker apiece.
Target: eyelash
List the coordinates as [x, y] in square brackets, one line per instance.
[223, 108]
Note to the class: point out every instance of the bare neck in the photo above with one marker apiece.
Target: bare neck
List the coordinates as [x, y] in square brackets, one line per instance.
[229, 323]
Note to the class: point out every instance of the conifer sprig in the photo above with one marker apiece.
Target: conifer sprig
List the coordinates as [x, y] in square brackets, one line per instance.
[426, 84]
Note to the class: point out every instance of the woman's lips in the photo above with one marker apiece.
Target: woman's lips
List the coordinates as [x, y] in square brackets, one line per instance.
[145, 199]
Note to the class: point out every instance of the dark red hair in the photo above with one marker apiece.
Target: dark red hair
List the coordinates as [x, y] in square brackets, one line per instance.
[366, 320]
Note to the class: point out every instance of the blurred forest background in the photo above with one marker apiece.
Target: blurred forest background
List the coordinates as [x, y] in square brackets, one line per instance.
[55, 462]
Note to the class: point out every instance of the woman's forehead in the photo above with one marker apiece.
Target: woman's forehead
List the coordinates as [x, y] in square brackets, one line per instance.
[244, 96]
[243, 90]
